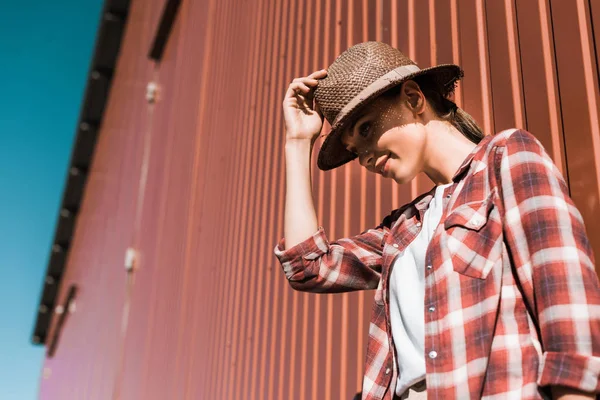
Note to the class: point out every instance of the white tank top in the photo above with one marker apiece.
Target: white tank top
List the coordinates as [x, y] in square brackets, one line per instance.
[407, 296]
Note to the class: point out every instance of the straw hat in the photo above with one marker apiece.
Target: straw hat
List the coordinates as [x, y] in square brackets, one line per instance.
[357, 77]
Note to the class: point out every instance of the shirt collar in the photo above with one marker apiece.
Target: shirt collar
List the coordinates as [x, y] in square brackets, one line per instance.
[467, 161]
[422, 203]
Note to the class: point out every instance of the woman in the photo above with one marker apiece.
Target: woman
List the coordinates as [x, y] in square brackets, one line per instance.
[485, 285]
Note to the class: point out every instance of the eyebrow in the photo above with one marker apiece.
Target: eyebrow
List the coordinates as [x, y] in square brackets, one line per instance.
[356, 121]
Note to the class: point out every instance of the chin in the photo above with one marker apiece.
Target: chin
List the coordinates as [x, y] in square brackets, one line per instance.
[401, 181]
[401, 178]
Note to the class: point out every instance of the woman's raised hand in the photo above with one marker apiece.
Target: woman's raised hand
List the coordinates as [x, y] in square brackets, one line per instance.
[303, 119]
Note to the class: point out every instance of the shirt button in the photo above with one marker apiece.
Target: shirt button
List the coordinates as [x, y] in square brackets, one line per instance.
[429, 267]
[431, 309]
[387, 371]
[418, 224]
[448, 196]
[432, 354]
[395, 245]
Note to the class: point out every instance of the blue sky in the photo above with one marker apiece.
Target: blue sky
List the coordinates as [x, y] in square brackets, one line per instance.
[46, 49]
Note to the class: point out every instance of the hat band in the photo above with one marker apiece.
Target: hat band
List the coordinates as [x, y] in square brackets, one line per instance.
[394, 75]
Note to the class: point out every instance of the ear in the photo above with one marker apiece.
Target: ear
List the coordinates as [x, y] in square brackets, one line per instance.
[414, 97]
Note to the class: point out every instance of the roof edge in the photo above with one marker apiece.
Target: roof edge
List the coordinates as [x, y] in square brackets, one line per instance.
[113, 20]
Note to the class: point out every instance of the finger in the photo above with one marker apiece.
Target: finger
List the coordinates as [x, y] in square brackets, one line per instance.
[300, 88]
[302, 103]
[310, 81]
[306, 80]
[306, 105]
[290, 93]
[296, 89]
[318, 74]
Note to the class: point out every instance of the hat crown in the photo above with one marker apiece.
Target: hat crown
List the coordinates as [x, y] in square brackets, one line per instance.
[354, 70]
[357, 77]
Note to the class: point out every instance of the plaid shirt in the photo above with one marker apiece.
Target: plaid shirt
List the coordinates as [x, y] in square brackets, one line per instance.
[511, 296]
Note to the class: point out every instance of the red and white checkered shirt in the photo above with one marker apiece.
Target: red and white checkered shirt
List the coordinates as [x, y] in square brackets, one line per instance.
[511, 296]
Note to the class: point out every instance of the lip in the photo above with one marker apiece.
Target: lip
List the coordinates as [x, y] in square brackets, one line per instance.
[386, 168]
[382, 166]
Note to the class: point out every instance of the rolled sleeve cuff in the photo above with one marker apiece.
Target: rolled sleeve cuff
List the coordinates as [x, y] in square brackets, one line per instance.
[572, 370]
[293, 259]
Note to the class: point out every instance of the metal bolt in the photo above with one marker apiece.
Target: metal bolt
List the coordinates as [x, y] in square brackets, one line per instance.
[151, 92]
[130, 259]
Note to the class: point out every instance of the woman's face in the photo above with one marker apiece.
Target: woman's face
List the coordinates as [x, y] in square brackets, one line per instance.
[389, 136]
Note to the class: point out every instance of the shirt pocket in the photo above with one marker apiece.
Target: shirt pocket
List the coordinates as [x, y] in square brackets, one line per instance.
[474, 237]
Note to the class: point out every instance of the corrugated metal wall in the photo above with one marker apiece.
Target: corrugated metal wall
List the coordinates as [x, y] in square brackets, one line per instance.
[195, 183]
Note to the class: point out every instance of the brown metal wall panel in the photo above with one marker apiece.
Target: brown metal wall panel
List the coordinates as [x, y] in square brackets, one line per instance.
[253, 300]
[474, 58]
[161, 267]
[243, 226]
[505, 65]
[578, 85]
[539, 79]
[87, 358]
[160, 333]
[210, 314]
[222, 298]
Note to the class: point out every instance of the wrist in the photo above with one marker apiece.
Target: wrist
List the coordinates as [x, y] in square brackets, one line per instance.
[298, 154]
[298, 144]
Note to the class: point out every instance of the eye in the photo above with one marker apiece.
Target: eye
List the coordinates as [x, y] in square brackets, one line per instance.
[364, 129]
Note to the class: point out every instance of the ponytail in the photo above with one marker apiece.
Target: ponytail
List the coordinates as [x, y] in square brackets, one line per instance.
[459, 118]
[445, 108]
[467, 125]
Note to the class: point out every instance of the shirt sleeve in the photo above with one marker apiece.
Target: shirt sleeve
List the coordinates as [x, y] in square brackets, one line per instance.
[349, 264]
[554, 263]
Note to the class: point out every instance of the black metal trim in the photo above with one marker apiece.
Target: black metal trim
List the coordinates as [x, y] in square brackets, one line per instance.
[164, 29]
[108, 43]
[66, 310]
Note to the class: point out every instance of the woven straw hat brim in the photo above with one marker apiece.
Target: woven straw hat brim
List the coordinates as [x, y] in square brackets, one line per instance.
[333, 153]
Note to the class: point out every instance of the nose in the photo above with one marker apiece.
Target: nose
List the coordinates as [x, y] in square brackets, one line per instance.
[365, 159]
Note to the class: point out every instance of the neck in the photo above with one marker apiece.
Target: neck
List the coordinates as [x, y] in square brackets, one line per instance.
[445, 151]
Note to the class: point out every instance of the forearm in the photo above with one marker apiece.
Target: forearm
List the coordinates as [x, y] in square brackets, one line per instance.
[300, 220]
